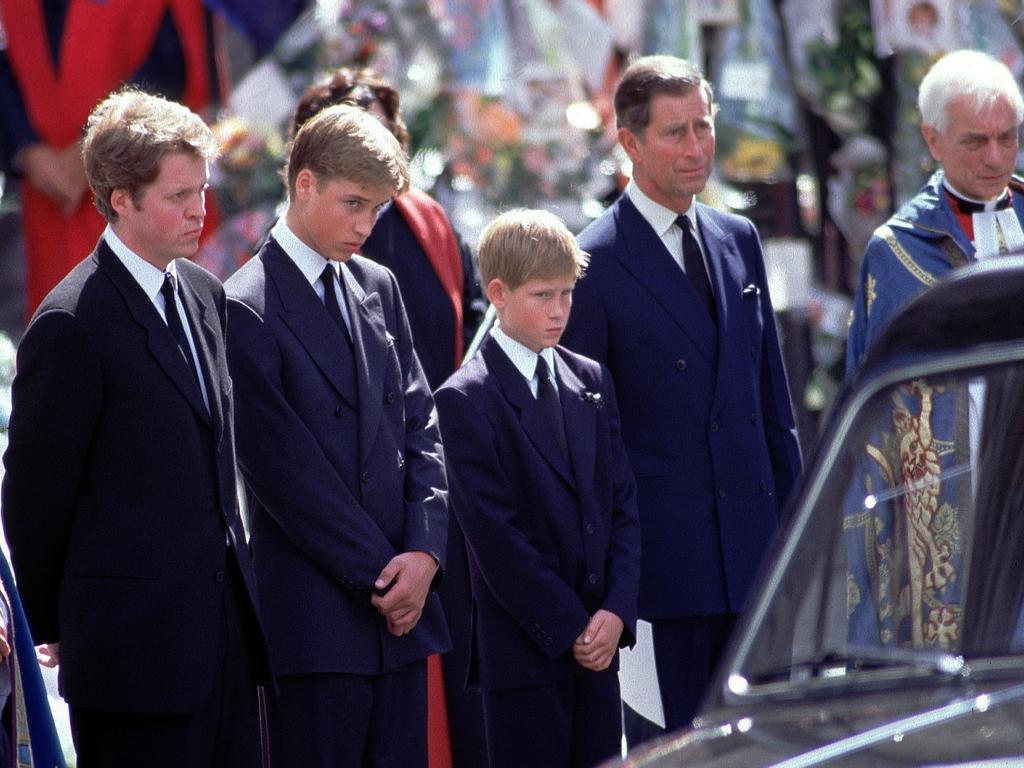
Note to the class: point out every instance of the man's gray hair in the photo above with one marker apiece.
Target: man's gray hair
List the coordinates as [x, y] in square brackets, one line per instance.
[973, 74]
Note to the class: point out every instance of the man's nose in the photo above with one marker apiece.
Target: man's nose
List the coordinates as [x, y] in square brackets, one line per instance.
[364, 224]
[197, 207]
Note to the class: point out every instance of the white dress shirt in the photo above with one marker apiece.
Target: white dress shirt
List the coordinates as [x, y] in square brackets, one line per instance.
[663, 221]
[151, 280]
[524, 358]
[311, 264]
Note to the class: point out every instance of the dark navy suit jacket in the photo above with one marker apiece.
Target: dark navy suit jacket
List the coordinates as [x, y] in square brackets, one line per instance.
[550, 540]
[706, 414]
[344, 466]
[120, 486]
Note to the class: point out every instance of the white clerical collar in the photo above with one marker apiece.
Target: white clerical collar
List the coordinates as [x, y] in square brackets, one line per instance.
[657, 215]
[987, 205]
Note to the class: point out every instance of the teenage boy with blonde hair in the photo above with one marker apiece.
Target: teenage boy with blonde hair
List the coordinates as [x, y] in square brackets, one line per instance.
[339, 446]
[542, 487]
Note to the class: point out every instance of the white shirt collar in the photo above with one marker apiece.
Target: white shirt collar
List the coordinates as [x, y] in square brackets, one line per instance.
[309, 262]
[522, 357]
[657, 215]
[149, 278]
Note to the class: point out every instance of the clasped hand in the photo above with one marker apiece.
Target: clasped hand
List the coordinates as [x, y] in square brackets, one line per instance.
[401, 604]
[595, 648]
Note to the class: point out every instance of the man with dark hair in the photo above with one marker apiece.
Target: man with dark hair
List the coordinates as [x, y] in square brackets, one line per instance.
[676, 304]
[119, 498]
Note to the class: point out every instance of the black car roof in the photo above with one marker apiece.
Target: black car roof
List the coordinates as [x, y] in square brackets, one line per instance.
[977, 304]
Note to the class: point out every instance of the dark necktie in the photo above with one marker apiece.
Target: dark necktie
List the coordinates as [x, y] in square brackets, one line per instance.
[693, 263]
[329, 278]
[169, 289]
[547, 396]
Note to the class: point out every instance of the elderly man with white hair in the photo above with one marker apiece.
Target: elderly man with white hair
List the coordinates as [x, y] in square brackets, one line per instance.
[904, 534]
[971, 111]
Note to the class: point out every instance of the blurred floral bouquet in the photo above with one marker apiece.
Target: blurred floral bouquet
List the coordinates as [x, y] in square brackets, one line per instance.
[511, 160]
[247, 187]
[247, 173]
[842, 78]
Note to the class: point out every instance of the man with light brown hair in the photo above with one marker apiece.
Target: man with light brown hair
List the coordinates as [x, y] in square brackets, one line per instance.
[119, 497]
[339, 447]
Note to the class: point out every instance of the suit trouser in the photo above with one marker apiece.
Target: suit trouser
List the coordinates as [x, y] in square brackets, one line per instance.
[686, 652]
[573, 723]
[465, 708]
[330, 720]
[223, 733]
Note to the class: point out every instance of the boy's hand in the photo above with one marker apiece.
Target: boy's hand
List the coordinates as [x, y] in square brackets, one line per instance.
[409, 576]
[595, 648]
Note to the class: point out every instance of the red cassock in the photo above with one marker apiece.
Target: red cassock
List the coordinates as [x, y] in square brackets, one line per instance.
[103, 45]
[432, 230]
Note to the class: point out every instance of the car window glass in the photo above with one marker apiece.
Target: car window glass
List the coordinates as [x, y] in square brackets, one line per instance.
[914, 548]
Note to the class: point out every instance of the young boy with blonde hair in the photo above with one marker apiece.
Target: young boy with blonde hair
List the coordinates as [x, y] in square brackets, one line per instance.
[543, 490]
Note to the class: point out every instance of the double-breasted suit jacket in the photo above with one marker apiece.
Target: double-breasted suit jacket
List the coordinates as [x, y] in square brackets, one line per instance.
[551, 539]
[706, 414]
[119, 498]
[343, 459]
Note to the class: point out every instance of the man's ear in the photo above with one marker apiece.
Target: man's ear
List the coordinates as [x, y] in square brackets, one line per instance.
[497, 292]
[121, 201]
[931, 137]
[305, 184]
[630, 142]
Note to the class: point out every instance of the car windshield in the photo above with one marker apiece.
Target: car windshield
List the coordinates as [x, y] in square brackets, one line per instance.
[912, 553]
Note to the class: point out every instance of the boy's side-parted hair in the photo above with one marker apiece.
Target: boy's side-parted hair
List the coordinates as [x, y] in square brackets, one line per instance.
[346, 142]
[526, 244]
[127, 136]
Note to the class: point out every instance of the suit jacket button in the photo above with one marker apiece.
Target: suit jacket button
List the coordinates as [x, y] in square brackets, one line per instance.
[389, 397]
[592, 578]
[219, 577]
[680, 365]
[590, 528]
[337, 410]
[365, 477]
[763, 485]
[721, 493]
[714, 426]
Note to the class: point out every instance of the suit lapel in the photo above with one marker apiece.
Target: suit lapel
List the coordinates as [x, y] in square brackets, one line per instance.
[728, 271]
[160, 342]
[304, 313]
[644, 255]
[531, 417]
[205, 337]
[370, 340]
[580, 423]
